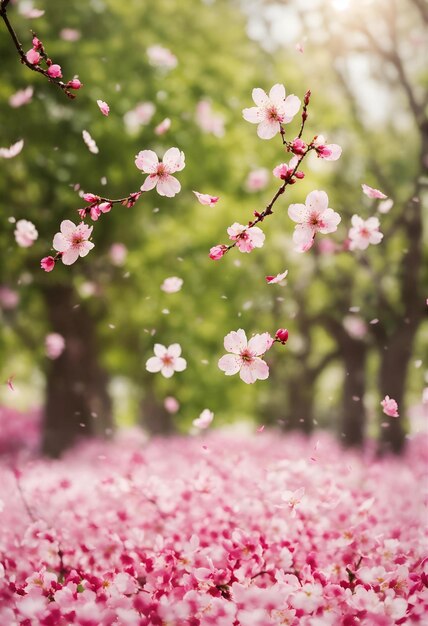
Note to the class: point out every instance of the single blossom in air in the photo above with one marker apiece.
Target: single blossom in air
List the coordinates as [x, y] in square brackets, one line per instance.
[166, 360]
[172, 284]
[390, 407]
[272, 280]
[245, 356]
[313, 217]
[21, 97]
[73, 241]
[373, 193]
[54, 345]
[246, 238]
[257, 179]
[206, 199]
[163, 127]
[364, 232]
[271, 110]
[103, 107]
[160, 172]
[12, 151]
[92, 146]
[25, 233]
[204, 420]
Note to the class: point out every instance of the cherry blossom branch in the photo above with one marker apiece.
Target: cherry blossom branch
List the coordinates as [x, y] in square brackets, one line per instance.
[33, 57]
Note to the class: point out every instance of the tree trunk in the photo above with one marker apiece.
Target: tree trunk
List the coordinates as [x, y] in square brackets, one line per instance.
[77, 401]
[354, 416]
[300, 404]
[154, 418]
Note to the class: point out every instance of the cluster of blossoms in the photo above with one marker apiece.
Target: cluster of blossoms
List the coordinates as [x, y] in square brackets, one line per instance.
[37, 56]
[145, 534]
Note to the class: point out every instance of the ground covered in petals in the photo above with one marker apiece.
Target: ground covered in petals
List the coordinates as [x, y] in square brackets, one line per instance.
[222, 530]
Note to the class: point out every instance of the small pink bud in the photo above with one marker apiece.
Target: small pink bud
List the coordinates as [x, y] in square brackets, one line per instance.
[33, 57]
[217, 252]
[299, 175]
[54, 71]
[74, 84]
[298, 146]
[90, 197]
[47, 263]
[82, 213]
[95, 212]
[282, 335]
[105, 207]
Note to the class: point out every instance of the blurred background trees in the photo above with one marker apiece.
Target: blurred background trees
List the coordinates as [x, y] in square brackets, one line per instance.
[356, 320]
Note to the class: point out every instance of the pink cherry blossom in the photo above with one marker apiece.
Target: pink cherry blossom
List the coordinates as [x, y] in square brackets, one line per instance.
[33, 57]
[373, 193]
[172, 284]
[70, 34]
[161, 57]
[21, 97]
[257, 179]
[284, 171]
[245, 356]
[12, 151]
[27, 9]
[246, 238]
[390, 407]
[163, 127]
[273, 280]
[72, 241]
[207, 120]
[312, 217]
[92, 146]
[160, 172]
[9, 299]
[139, 116]
[118, 253]
[171, 404]
[204, 420]
[47, 263]
[25, 233]
[328, 152]
[74, 83]
[271, 111]
[206, 199]
[55, 71]
[385, 206]
[217, 252]
[364, 232]
[54, 345]
[103, 107]
[166, 360]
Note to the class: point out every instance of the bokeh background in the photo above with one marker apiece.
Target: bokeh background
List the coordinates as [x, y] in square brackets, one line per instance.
[357, 321]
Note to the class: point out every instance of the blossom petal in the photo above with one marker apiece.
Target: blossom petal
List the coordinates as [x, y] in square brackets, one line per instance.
[174, 350]
[254, 115]
[303, 238]
[267, 129]
[150, 182]
[154, 364]
[317, 200]
[85, 247]
[229, 364]
[173, 159]
[330, 220]
[180, 364]
[277, 94]
[159, 350]
[260, 97]
[235, 341]
[168, 186]
[67, 228]
[256, 370]
[167, 371]
[70, 256]
[259, 344]
[290, 107]
[147, 161]
[60, 243]
[297, 212]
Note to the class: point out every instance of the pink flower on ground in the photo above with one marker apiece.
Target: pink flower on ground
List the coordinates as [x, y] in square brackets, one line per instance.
[273, 280]
[293, 498]
[206, 199]
[54, 71]
[54, 345]
[312, 217]
[217, 252]
[204, 420]
[373, 193]
[163, 127]
[103, 107]
[166, 360]
[257, 179]
[364, 232]
[47, 263]
[245, 356]
[328, 152]
[72, 241]
[21, 97]
[271, 111]
[160, 172]
[12, 151]
[246, 238]
[390, 407]
[172, 284]
[25, 233]
[33, 57]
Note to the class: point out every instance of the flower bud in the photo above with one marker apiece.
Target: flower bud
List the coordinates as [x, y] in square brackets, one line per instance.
[281, 335]
[217, 252]
[74, 84]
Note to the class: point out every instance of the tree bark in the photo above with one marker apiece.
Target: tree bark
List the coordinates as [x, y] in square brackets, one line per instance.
[77, 401]
[154, 418]
[354, 418]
